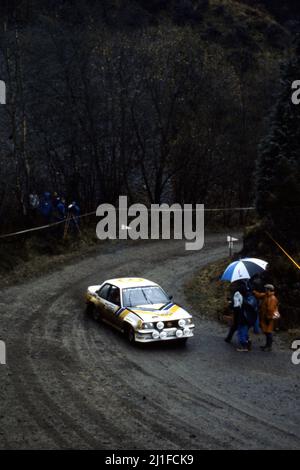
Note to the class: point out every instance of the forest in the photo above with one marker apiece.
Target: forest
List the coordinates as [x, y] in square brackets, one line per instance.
[162, 101]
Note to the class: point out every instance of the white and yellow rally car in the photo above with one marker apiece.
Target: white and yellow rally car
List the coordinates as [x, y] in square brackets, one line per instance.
[139, 308]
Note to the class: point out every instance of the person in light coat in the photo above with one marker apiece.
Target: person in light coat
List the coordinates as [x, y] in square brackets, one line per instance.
[268, 312]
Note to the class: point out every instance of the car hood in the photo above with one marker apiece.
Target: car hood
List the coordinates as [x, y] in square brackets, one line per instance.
[171, 312]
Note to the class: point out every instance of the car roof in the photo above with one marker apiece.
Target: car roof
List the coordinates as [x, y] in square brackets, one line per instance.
[125, 282]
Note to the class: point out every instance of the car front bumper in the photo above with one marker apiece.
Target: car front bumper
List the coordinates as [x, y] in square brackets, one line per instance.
[146, 336]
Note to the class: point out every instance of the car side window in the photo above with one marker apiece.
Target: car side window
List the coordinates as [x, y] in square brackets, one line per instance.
[114, 296]
[104, 291]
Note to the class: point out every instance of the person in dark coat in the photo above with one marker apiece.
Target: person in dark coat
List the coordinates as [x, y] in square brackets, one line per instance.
[60, 208]
[236, 302]
[74, 212]
[245, 311]
[46, 207]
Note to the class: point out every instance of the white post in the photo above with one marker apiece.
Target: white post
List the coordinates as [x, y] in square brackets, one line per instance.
[230, 241]
[2, 92]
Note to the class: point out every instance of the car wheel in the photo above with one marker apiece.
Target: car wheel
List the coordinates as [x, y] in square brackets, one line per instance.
[130, 334]
[92, 311]
[89, 308]
[96, 314]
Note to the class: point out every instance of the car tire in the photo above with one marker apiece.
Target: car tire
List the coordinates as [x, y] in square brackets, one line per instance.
[96, 314]
[130, 334]
[93, 312]
[89, 308]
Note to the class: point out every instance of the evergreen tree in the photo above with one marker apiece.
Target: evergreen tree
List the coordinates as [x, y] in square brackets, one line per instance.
[278, 172]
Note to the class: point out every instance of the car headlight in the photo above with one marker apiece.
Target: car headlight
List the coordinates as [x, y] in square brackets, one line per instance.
[160, 325]
[147, 326]
[182, 323]
[155, 335]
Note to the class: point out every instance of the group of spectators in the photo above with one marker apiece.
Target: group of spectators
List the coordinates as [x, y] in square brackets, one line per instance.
[253, 309]
[51, 208]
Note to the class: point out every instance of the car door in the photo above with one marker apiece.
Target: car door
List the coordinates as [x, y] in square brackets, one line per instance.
[102, 295]
[113, 304]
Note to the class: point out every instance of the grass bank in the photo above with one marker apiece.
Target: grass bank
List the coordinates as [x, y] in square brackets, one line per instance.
[206, 293]
[24, 257]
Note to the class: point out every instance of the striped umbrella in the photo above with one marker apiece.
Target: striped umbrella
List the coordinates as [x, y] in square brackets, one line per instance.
[243, 269]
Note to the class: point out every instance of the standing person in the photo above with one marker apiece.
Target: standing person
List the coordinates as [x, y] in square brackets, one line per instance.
[234, 304]
[247, 314]
[251, 313]
[59, 209]
[55, 199]
[239, 307]
[242, 327]
[34, 202]
[74, 213]
[45, 207]
[268, 309]
[59, 215]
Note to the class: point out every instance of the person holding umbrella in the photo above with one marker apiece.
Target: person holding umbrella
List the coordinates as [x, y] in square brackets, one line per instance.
[245, 314]
[240, 314]
[235, 303]
[268, 313]
[245, 308]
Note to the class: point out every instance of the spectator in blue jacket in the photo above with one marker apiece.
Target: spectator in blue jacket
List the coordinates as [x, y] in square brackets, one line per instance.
[46, 207]
[60, 208]
[247, 307]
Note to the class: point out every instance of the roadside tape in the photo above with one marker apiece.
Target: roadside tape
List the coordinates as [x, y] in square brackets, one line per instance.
[53, 224]
[42, 227]
[283, 250]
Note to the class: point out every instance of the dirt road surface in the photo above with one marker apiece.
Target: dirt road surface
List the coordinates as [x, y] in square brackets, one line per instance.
[71, 383]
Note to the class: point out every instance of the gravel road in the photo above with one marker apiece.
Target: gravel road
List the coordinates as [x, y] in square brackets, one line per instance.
[71, 383]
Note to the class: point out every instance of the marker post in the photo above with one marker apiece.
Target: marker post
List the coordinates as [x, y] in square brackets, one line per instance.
[230, 241]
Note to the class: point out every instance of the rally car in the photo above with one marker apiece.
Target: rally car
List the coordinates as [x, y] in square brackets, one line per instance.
[139, 308]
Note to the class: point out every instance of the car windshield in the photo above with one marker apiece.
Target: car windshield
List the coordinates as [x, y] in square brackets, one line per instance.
[144, 296]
